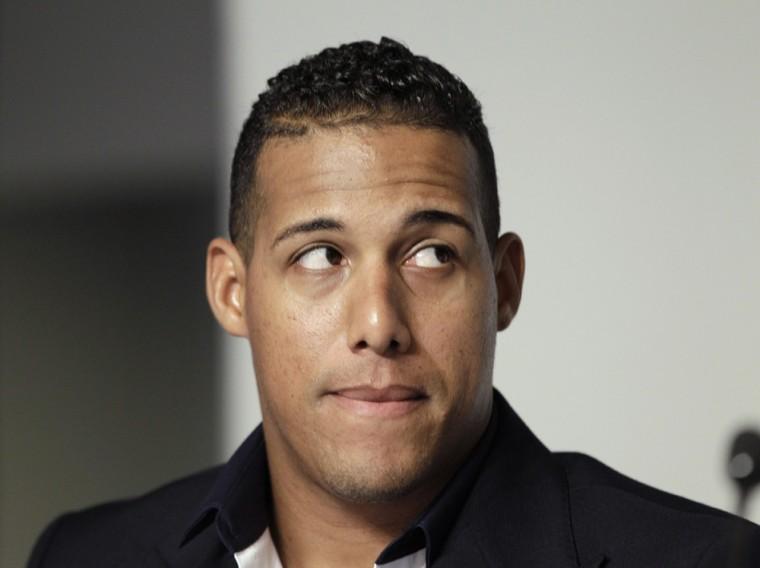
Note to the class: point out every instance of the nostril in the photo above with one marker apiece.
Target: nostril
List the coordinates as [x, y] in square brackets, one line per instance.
[392, 347]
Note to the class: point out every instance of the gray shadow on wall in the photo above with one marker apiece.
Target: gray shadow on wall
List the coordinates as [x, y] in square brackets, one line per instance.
[107, 354]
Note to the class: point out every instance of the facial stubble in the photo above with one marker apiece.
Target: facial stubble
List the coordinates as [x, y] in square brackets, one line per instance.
[379, 479]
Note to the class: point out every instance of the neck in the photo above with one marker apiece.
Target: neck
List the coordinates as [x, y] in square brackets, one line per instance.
[311, 527]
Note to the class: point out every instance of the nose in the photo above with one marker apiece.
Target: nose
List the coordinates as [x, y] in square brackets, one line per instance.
[377, 317]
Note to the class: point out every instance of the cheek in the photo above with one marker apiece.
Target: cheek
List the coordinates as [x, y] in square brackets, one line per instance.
[460, 336]
[285, 335]
[462, 343]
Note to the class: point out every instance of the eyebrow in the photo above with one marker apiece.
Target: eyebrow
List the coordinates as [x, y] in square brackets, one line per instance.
[318, 224]
[438, 217]
[422, 217]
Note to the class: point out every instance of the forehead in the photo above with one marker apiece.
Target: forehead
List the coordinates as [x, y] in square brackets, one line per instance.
[337, 168]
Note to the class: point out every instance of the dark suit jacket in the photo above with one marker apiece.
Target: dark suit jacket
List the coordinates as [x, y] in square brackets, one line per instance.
[528, 508]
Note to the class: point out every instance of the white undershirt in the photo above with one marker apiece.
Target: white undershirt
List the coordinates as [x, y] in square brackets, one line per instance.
[263, 554]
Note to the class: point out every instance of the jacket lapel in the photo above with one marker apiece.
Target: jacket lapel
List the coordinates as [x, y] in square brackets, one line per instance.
[518, 513]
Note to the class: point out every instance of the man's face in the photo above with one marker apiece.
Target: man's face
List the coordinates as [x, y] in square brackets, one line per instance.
[370, 305]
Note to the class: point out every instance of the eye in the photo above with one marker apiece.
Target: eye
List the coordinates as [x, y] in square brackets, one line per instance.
[433, 256]
[320, 258]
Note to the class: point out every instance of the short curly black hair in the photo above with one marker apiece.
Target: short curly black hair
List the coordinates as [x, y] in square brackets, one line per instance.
[358, 83]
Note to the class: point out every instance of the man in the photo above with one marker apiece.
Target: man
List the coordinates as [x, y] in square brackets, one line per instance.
[366, 270]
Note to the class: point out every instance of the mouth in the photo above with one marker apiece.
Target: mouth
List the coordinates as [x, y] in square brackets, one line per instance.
[387, 402]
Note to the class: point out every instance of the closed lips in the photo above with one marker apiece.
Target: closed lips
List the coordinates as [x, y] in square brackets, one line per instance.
[393, 393]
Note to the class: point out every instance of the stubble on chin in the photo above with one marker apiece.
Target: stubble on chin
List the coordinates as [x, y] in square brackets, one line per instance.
[374, 479]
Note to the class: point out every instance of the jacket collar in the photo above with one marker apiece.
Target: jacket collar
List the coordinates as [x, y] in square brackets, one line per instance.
[518, 512]
[238, 503]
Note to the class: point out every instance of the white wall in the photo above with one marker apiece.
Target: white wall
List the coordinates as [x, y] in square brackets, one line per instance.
[627, 144]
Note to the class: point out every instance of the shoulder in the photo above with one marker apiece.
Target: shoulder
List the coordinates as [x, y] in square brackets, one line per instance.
[124, 529]
[628, 519]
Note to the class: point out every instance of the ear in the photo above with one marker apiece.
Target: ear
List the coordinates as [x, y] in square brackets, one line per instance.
[225, 286]
[509, 270]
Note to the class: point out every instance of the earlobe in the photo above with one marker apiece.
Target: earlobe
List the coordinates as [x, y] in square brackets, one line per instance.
[509, 270]
[225, 286]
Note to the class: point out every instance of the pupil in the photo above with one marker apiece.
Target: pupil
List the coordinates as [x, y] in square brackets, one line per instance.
[333, 256]
[442, 254]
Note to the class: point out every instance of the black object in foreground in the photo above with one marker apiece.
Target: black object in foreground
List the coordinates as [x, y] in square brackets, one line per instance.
[744, 466]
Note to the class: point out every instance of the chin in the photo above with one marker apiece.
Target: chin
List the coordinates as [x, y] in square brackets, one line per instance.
[375, 482]
[361, 491]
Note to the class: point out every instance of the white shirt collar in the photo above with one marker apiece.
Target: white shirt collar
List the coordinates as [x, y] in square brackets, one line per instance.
[263, 554]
